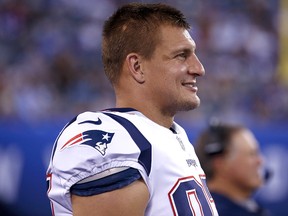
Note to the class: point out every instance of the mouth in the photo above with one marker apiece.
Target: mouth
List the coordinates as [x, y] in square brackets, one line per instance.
[191, 86]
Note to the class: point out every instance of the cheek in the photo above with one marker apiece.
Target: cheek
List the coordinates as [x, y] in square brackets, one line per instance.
[238, 167]
[168, 78]
[245, 169]
[168, 81]
[177, 67]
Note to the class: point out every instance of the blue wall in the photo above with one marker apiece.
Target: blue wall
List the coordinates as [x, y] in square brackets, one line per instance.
[25, 151]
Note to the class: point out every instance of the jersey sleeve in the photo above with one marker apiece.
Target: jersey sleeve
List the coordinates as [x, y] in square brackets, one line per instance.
[90, 145]
[111, 182]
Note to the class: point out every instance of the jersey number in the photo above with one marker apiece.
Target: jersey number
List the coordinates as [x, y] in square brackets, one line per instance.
[191, 197]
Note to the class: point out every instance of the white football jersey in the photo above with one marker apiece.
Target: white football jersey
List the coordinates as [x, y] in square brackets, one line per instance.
[98, 141]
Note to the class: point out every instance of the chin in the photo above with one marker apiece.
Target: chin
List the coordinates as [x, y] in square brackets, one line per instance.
[195, 103]
[256, 185]
[191, 105]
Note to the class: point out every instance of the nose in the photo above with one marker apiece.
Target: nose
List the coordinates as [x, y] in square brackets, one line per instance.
[195, 66]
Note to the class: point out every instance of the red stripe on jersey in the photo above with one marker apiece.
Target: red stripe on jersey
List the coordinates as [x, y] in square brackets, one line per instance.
[78, 137]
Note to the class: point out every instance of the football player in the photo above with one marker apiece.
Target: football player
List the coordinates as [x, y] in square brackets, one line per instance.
[134, 159]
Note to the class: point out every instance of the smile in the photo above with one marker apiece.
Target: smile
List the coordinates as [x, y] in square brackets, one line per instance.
[191, 85]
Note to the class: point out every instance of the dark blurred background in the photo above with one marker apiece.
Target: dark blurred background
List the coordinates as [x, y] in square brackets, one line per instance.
[50, 70]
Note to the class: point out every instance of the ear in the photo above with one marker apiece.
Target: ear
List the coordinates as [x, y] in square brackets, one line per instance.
[134, 61]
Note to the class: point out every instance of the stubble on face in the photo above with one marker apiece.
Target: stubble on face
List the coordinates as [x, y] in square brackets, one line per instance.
[180, 103]
[180, 97]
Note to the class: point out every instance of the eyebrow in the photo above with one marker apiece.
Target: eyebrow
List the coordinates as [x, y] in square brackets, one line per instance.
[185, 50]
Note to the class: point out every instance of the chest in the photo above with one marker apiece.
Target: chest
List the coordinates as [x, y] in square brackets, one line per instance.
[172, 154]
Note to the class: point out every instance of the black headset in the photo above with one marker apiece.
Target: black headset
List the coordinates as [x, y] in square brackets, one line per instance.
[217, 138]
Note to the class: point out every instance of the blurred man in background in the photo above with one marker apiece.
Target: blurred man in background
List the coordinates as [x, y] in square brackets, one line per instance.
[230, 157]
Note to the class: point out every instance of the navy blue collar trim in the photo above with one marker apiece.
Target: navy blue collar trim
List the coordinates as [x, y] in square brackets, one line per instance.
[124, 109]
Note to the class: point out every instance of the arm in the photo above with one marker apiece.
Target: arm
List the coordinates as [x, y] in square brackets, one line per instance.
[129, 200]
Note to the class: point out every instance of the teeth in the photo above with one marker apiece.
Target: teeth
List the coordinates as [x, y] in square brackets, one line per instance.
[190, 84]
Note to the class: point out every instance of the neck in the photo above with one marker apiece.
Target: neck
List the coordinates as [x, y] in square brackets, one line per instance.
[149, 110]
[134, 95]
[230, 190]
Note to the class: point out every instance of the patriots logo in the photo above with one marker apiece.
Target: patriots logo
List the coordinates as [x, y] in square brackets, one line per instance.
[95, 138]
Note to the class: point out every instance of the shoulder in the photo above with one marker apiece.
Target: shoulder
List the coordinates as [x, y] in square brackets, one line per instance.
[220, 198]
[96, 130]
[91, 143]
[224, 205]
[85, 125]
[90, 124]
[227, 207]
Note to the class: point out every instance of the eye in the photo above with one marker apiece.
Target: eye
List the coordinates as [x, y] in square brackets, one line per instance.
[181, 56]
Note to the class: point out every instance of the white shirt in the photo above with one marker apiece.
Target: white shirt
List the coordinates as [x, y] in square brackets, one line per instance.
[95, 142]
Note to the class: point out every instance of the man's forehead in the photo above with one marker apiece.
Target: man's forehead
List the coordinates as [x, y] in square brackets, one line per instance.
[188, 36]
[171, 33]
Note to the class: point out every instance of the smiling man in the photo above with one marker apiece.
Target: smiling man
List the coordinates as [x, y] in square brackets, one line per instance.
[149, 166]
